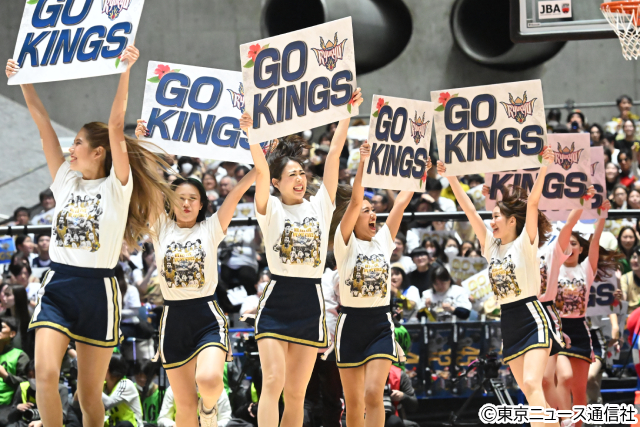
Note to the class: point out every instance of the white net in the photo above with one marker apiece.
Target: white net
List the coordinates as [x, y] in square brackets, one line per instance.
[626, 27]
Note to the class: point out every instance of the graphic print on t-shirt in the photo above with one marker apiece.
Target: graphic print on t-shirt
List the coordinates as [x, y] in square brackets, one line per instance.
[78, 223]
[571, 297]
[300, 242]
[544, 274]
[369, 277]
[183, 266]
[502, 275]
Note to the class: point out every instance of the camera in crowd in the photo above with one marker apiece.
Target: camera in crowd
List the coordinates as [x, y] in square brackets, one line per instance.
[388, 405]
[31, 414]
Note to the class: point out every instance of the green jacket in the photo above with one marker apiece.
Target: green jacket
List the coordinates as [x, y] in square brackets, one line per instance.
[15, 362]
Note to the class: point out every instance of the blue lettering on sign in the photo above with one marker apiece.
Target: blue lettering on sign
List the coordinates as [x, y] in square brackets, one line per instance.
[556, 185]
[317, 95]
[602, 294]
[487, 143]
[77, 43]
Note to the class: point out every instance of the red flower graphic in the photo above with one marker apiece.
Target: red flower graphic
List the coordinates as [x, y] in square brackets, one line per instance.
[380, 104]
[253, 51]
[162, 70]
[444, 97]
[615, 303]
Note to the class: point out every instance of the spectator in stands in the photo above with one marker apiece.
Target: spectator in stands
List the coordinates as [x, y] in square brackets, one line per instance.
[24, 245]
[625, 103]
[472, 253]
[633, 200]
[607, 154]
[553, 119]
[575, 121]
[619, 197]
[167, 416]
[596, 133]
[399, 253]
[19, 274]
[627, 241]
[466, 245]
[239, 172]
[612, 177]
[149, 391]
[132, 272]
[19, 312]
[380, 202]
[319, 158]
[13, 362]
[42, 260]
[474, 180]
[451, 248]
[404, 291]
[445, 300]
[630, 281]
[209, 181]
[401, 397]
[421, 277]
[48, 203]
[434, 249]
[344, 174]
[627, 178]
[226, 185]
[434, 188]
[21, 216]
[120, 396]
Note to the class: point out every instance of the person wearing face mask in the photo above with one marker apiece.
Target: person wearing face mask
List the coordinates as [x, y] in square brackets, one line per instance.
[365, 344]
[290, 324]
[194, 335]
[445, 300]
[451, 250]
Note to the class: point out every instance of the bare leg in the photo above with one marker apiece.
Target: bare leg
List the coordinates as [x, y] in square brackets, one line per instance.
[353, 385]
[273, 355]
[375, 377]
[528, 371]
[594, 382]
[183, 384]
[564, 372]
[51, 346]
[549, 382]
[579, 384]
[209, 372]
[300, 362]
[93, 363]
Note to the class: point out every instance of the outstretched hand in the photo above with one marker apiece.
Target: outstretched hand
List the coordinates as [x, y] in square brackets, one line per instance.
[365, 151]
[442, 169]
[356, 98]
[246, 122]
[486, 190]
[12, 68]
[606, 205]
[548, 156]
[131, 55]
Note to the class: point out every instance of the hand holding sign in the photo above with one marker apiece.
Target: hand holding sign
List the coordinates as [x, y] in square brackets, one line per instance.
[365, 151]
[548, 156]
[12, 68]
[141, 129]
[130, 55]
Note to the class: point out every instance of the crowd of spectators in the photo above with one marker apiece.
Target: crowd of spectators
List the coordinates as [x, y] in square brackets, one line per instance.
[423, 288]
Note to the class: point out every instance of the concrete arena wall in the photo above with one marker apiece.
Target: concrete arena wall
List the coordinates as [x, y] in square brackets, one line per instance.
[208, 32]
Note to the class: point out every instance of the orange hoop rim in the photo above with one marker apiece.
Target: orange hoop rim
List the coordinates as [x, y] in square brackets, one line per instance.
[621, 6]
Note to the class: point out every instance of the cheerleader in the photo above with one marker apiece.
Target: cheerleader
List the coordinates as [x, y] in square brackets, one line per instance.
[365, 345]
[194, 334]
[118, 192]
[575, 278]
[518, 228]
[290, 324]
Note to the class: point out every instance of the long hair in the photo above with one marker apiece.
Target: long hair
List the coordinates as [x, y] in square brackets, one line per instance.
[287, 149]
[202, 213]
[625, 253]
[20, 312]
[514, 204]
[608, 261]
[343, 198]
[149, 189]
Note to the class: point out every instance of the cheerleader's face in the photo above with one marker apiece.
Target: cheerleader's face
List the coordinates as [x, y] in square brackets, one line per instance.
[501, 225]
[83, 157]
[189, 204]
[576, 250]
[365, 228]
[292, 183]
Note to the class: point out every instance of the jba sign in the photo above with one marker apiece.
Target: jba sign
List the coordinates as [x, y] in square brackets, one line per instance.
[72, 39]
[490, 128]
[299, 80]
[399, 143]
[554, 9]
[194, 111]
[566, 181]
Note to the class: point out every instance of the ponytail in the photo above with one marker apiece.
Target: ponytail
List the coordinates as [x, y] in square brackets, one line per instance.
[514, 204]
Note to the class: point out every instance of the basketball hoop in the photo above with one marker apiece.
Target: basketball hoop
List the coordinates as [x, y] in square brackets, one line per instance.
[624, 18]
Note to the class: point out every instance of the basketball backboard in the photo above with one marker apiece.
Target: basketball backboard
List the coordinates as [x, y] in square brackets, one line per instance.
[544, 20]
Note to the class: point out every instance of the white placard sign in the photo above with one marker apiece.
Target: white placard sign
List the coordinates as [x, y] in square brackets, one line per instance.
[74, 39]
[566, 181]
[194, 111]
[399, 136]
[299, 80]
[479, 288]
[491, 128]
[601, 299]
[464, 267]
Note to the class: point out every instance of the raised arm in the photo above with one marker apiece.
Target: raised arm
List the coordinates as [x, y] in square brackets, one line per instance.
[565, 234]
[594, 246]
[401, 202]
[466, 204]
[536, 193]
[332, 164]
[263, 176]
[116, 119]
[226, 211]
[48, 136]
[350, 217]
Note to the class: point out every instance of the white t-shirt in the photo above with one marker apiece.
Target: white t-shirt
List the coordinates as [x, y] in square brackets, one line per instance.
[457, 296]
[514, 271]
[363, 267]
[551, 258]
[44, 218]
[187, 258]
[249, 303]
[574, 286]
[90, 219]
[296, 236]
